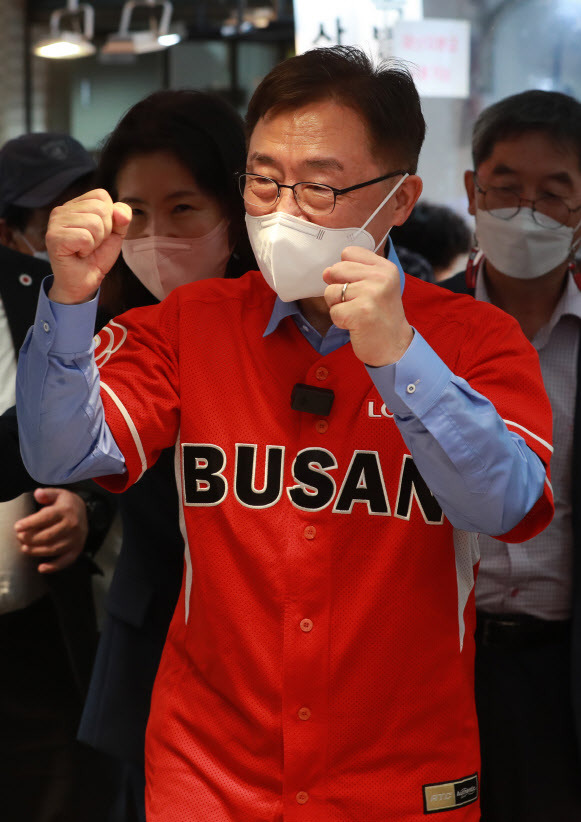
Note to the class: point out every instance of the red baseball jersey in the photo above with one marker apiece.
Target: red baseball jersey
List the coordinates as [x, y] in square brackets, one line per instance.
[319, 665]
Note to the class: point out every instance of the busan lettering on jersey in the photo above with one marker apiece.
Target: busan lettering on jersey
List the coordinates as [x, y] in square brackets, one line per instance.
[318, 481]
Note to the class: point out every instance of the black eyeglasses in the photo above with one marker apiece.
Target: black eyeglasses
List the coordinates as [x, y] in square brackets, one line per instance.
[312, 198]
[548, 211]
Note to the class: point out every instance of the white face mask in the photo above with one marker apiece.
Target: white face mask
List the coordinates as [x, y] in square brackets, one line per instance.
[293, 253]
[520, 248]
[40, 255]
[163, 263]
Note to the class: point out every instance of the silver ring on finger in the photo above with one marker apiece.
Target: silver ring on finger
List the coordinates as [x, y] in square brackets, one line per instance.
[343, 292]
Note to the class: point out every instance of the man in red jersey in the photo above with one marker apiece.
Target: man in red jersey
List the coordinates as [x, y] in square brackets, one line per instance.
[343, 433]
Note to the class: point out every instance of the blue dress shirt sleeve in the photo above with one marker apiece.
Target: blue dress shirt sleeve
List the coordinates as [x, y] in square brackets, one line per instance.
[58, 356]
[484, 476]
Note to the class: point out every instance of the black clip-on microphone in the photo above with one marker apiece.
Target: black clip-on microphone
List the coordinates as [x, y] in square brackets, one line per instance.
[311, 399]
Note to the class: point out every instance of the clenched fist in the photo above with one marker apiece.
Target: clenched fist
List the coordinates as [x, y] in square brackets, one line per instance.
[83, 240]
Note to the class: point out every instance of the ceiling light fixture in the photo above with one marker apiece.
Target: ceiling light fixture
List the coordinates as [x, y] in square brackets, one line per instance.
[243, 20]
[67, 43]
[156, 38]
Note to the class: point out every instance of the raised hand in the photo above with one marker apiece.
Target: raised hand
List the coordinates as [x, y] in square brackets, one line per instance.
[370, 307]
[83, 240]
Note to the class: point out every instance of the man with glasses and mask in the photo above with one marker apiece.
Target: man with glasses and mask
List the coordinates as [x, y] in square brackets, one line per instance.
[525, 193]
[343, 433]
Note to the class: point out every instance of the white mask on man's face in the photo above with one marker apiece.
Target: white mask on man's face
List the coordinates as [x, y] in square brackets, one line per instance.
[292, 253]
[519, 247]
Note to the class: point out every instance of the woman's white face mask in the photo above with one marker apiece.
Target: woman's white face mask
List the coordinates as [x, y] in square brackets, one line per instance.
[163, 263]
[293, 253]
[519, 247]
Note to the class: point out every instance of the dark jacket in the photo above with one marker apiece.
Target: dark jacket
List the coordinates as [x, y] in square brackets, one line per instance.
[139, 607]
[70, 590]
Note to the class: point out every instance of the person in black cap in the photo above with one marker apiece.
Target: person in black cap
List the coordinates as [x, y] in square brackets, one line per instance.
[47, 622]
[38, 172]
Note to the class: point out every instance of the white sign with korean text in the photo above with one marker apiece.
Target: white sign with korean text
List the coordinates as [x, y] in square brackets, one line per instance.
[437, 51]
[365, 23]
[439, 54]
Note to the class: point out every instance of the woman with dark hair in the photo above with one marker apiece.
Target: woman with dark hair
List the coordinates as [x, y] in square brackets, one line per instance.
[198, 138]
[172, 158]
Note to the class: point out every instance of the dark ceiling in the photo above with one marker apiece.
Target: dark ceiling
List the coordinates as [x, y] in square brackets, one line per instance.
[201, 17]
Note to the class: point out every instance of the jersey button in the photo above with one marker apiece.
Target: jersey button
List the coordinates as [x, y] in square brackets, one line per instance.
[302, 797]
[310, 532]
[411, 388]
[322, 426]
[321, 373]
[304, 714]
[306, 625]
[46, 327]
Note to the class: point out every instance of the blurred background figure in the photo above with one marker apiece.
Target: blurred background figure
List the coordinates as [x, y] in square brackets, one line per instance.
[414, 264]
[173, 159]
[38, 172]
[48, 632]
[439, 235]
[525, 193]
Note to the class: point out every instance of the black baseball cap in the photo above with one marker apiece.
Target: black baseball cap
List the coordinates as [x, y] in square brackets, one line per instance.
[35, 169]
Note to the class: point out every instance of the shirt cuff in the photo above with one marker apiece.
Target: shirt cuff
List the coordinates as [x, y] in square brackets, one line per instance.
[415, 382]
[65, 329]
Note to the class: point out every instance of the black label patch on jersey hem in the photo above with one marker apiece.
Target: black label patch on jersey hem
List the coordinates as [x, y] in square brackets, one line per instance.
[445, 796]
